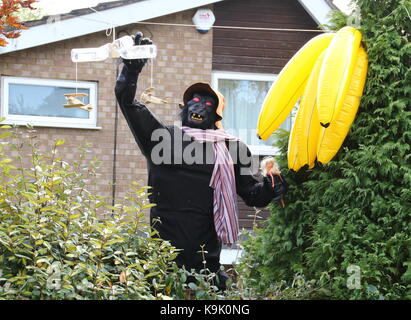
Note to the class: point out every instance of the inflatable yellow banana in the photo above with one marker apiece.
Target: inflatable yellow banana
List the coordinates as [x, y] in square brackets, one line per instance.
[303, 141]
[331, 138]
[335, 75]
[289, 85]
[329, 72]
[292, 152]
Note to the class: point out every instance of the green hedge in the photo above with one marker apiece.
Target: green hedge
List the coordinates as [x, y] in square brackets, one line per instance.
[356, 210]
[60, 241]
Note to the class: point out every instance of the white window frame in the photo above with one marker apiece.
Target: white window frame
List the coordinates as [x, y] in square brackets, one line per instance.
[228, 75]
[41, 121]
[230, 256]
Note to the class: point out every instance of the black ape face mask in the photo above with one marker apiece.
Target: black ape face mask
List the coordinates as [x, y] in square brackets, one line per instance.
[200, 112]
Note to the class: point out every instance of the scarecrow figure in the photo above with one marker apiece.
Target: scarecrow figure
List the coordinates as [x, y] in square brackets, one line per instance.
[196, 171]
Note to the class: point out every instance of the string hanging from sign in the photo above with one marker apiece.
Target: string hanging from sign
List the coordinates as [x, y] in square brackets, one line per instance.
[147, 94]
[223, 27]
[112, 29]
[114, 23]
[234, 27]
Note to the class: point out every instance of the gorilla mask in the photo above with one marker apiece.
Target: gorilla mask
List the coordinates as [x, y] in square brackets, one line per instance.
[200, 112]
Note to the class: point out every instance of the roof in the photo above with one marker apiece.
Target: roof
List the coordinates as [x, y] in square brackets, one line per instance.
[80, 22]
[103, 5]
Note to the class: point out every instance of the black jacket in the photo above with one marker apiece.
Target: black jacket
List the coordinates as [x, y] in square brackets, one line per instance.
[184, 201]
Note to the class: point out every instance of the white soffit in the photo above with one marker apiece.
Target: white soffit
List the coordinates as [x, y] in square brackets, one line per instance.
[317, 9]
[93, 22]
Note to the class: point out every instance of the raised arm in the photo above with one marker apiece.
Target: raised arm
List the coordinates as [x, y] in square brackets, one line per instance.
[141, 121]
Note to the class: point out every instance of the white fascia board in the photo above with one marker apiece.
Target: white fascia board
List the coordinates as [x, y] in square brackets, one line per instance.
[317, 9]
[95, 22]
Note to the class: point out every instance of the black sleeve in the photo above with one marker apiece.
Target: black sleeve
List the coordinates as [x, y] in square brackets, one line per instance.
[141, 121]
[255, 193]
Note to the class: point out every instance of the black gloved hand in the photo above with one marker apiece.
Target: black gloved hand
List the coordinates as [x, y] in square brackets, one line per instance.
[138, 64]
[280, 187]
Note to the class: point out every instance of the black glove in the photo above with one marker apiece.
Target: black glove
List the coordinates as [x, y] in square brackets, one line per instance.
[137, 64]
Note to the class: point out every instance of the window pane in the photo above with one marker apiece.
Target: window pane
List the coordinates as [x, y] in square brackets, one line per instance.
[45, 101]
[244, 99]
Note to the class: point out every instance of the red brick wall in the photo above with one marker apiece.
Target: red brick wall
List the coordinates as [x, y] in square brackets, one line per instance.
[184, 56]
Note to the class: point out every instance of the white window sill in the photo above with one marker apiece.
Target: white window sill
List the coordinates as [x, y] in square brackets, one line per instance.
[263, 150]
[230, 256]
[51, 125]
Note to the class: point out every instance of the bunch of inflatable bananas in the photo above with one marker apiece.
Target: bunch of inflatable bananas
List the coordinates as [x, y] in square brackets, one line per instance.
[329, 74]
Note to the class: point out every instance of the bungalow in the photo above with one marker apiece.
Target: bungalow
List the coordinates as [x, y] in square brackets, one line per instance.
[240, 56]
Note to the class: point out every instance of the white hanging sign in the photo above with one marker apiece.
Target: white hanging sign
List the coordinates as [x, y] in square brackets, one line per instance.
[123, 47]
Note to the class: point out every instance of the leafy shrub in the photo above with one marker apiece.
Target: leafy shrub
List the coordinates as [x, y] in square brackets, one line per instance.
[59, 241]
[355, 210]
[257, 280]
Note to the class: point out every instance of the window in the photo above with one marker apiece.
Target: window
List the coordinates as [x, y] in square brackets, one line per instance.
[39, 102]
[244, 95]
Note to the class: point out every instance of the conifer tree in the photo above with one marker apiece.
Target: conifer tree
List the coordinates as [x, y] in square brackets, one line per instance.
[352, 216]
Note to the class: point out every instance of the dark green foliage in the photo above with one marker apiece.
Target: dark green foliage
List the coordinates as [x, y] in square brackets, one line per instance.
[60, 241]
[355, 210]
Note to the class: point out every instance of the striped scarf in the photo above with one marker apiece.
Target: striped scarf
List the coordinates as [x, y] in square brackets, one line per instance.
[222, 181]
